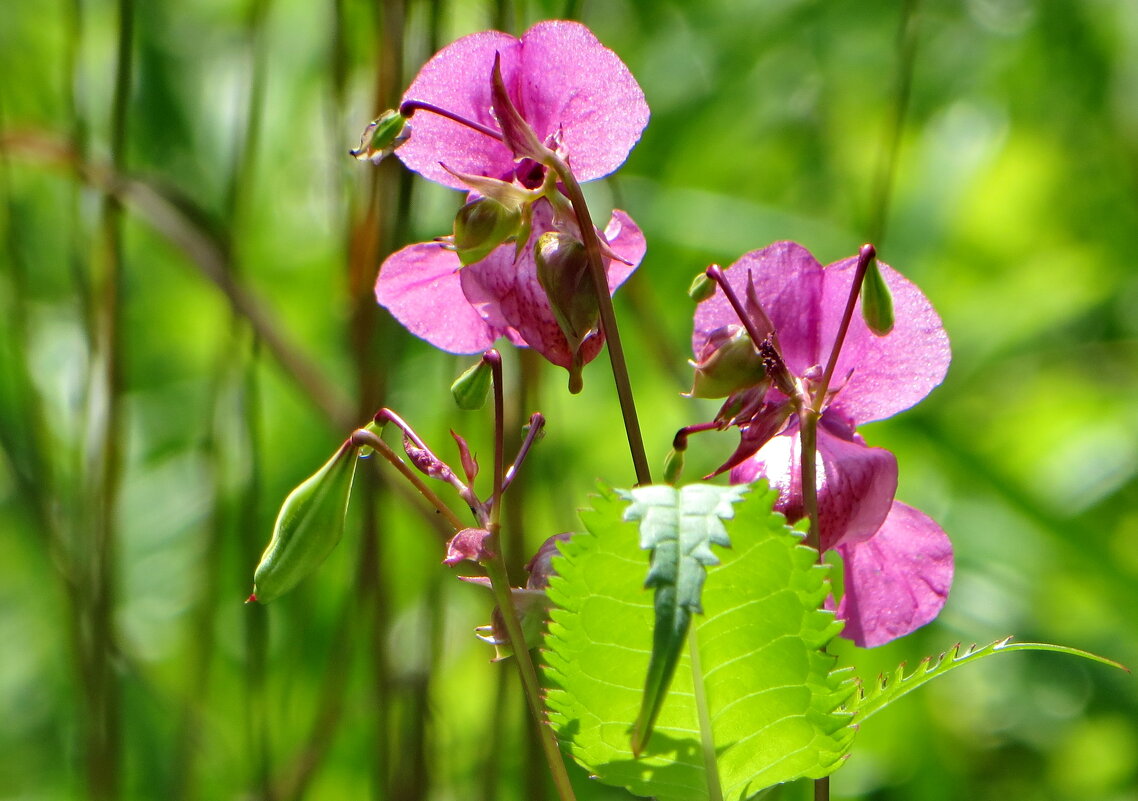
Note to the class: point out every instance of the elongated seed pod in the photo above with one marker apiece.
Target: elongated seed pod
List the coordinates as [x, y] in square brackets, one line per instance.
[309, 524]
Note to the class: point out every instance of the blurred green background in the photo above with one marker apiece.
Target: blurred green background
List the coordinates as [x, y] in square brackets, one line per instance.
[188, 256]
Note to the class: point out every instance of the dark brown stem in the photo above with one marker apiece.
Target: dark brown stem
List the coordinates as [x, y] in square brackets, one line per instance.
[494, 359]
[608, 318]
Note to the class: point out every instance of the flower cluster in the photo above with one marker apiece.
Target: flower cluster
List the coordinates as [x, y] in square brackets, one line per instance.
[518, 124]
[579, 101]
[898, 562]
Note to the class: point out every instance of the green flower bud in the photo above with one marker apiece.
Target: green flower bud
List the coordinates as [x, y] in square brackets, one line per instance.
[733, 365]
[673, 466]
[481, 225]
[310, 523]
[701, 288]
[382, 135]
[876, 301]
[471, 388]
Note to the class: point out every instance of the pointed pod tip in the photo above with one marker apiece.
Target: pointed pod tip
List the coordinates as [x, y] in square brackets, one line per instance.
[252, 598]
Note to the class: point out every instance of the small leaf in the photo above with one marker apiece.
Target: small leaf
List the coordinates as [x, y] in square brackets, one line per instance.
[679, 527]
[885, 691]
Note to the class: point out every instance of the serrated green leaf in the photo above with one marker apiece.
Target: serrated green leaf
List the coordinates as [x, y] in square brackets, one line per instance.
[886, 690]
[678, 526]
[775, 706]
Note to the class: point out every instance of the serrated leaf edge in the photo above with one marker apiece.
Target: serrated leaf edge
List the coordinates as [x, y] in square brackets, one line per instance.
[885, 690]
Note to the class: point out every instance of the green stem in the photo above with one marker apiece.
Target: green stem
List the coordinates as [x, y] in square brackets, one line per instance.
[808, 436]
[496, 570]
[364, 437]
[891, 142]
[608, 318]
[706, 735]
[500, 584]
[105, 421]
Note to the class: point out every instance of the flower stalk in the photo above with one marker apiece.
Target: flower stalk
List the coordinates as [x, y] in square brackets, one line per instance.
[500, 586]
[608, 318]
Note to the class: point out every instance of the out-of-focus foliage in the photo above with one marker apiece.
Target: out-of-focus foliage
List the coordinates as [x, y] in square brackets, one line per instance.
[188, 331]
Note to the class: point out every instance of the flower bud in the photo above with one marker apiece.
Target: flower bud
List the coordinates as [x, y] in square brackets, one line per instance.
[563, 272]
[673, 466]
[310, 523]
[481, 225]
[469, 460]
[427, 463]
[382, 135]
[732, 364]
[471, 388]
[701, 288]
[876, 301]
[468, 544]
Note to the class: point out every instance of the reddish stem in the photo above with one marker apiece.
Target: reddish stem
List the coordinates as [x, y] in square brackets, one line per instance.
[409, 107]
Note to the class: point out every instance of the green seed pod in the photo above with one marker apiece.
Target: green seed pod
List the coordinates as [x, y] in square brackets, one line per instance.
[876, 301]
[481, 225]
[309, 525]
[471, 388]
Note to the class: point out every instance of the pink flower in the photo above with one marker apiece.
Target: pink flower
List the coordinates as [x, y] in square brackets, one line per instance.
[575, 93]
[898, 562]
[583, 104]
[465, 309]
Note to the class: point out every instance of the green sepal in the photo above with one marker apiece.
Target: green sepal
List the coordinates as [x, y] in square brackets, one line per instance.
[563, 272]
[733, 365]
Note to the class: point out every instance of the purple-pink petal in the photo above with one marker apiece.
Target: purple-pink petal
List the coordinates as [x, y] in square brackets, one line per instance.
[856, 483]
[574, 85]
[805, 302]
[891, 373]
[457, 78]
[565, 83]
[897, 580]
[508, 293]
[420, 286]
[788, 284]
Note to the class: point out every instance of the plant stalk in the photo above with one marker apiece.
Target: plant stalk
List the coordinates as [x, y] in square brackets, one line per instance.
[706, 736]
[496, 570]
[608, 318]
[500, 585]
